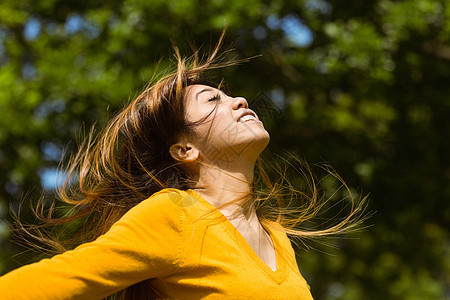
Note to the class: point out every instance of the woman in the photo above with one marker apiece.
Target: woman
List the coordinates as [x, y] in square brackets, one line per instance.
[167, 196]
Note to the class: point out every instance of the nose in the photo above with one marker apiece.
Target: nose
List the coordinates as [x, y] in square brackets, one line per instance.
[239, 102]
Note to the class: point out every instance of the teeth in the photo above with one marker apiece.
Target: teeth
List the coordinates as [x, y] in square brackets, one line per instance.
[247, 118]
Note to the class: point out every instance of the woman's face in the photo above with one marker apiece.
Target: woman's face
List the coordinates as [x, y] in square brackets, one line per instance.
[231, 131]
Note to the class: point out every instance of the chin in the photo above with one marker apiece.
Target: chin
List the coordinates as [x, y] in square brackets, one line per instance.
[257, 146]
[263, 142]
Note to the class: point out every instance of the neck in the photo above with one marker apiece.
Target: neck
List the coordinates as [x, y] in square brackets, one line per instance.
[220, 185]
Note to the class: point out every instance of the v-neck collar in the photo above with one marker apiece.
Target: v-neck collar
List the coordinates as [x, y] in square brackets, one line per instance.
[278, 275]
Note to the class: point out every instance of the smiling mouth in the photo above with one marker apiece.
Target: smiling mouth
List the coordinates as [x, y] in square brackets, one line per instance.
[248, 118]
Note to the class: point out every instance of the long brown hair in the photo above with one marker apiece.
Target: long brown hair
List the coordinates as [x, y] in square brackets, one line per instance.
[130, 160]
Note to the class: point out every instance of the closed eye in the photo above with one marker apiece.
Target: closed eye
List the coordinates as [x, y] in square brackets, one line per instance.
[214, 98]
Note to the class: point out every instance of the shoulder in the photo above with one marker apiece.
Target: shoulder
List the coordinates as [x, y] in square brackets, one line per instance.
[162, 207]
[171, 196]
[165, 199]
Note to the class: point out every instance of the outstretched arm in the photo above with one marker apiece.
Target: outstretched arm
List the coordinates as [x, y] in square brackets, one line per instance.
[143, 244]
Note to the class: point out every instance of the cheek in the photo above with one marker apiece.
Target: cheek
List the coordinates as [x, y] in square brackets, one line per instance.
[215, 123]
[210, 130]
[218, 122]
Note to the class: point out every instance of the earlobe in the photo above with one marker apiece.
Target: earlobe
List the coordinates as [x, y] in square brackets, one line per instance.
[184, 152]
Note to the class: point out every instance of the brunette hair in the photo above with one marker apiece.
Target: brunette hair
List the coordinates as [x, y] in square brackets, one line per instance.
[130, 160]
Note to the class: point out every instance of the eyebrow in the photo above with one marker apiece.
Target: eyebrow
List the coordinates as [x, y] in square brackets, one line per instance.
[204, 90]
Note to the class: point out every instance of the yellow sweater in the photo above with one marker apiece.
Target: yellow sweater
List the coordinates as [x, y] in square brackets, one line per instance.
[162, 240]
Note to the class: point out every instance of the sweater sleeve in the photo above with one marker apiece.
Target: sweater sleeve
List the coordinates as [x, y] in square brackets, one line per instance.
[143, 244]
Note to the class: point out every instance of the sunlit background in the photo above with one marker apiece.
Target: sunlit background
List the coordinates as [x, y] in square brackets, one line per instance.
[362, 85]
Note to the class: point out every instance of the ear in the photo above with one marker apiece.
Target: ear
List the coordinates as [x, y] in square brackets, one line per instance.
[184, 152]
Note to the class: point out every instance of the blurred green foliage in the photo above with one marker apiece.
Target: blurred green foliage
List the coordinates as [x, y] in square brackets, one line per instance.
[363, 85]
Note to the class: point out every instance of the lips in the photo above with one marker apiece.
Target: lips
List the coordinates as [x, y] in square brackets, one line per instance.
[247, 116]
